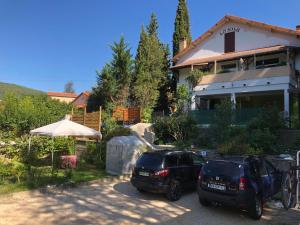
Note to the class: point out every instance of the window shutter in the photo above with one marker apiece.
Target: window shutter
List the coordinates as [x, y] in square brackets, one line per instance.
[229, 42]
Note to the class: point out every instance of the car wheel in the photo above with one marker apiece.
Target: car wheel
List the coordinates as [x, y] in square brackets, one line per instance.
[174, 191]
[256, 208]
[204, 202]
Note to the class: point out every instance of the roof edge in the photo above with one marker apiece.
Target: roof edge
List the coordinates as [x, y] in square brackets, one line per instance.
[231, 18]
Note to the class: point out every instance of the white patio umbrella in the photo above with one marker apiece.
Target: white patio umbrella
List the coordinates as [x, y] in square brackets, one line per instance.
[64, 128]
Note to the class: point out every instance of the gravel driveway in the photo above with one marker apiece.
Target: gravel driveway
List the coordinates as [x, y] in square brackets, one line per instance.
[117, 202]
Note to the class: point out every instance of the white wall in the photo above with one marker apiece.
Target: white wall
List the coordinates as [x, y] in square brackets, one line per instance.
[247, 38]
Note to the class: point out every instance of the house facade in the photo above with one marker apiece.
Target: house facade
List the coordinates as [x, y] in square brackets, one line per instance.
[62, 96]
[252, 63]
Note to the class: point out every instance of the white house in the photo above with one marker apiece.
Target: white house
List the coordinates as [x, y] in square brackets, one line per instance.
[251, 62]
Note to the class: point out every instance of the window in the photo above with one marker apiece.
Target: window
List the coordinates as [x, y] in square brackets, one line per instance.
[185, 160]
[197, 159]
[171, 161]
[228, 68]
[229, 42]
[267, 62]
[150, 161]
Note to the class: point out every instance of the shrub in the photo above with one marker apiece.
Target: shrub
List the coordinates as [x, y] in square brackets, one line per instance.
[222, 121]
[175, 129]
[146, 114]
[118, 131]
[263, 139]
[95, 154]
[11, 170]
[22, 114]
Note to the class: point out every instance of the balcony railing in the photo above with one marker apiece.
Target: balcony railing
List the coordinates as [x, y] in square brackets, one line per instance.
[247, 75]
[239, 116]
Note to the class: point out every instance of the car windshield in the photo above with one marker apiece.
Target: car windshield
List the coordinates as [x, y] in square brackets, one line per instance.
[150, 161]
[224, 168]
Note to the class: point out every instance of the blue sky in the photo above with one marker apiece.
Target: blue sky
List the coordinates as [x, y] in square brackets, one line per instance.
[45, 43]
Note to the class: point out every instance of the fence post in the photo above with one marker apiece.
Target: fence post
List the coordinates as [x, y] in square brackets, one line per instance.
[100, 112]
[84, 113]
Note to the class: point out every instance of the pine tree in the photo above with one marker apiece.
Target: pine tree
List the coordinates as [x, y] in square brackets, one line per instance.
[114, 79]
[181, 26]
[150, 68]
[121, 66]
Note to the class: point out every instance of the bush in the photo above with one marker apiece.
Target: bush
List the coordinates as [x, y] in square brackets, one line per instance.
[11, 170]
[21, 114]
[175, 129]
[118, 131]
[95, 154]
[222, 121]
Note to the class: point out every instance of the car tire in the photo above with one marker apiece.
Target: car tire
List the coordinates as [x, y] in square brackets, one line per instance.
[256, 208]
[204, 202]
[174, 191]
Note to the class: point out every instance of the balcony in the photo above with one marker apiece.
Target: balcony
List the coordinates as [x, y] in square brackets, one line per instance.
[275, 71]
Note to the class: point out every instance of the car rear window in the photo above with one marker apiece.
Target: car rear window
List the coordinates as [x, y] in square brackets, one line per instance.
[214, 168]
[150, 161]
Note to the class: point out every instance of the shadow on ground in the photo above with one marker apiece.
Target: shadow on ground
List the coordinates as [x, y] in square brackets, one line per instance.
[113, 203]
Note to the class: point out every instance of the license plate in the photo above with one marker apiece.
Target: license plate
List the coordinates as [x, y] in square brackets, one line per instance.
[217, 186]
[145, 174]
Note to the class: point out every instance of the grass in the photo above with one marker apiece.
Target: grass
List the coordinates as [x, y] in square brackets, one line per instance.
[43, 177]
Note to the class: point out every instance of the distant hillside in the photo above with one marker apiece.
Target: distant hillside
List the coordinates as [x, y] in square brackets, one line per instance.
[17, 89]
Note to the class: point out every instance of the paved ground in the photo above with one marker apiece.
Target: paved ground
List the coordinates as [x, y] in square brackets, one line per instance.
[117, 202]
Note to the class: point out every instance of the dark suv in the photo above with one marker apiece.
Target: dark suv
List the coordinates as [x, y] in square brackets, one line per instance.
[245, 182]
[167, 172]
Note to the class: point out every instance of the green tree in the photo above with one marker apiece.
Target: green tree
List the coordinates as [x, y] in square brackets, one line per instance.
[150, 73]
[69, 87]
[113, 81]
[121, 67]
[182, 98]
[181, 26]
[105, 91]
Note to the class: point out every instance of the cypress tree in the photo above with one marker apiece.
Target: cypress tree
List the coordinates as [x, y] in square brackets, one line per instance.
[181, 26]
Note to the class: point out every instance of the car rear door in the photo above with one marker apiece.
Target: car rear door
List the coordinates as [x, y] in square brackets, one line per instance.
[264, 181]
[275, 178]
[185, 167]
[198, 161]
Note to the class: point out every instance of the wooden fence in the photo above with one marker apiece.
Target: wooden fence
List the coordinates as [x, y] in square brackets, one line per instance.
[127, 115]
[91, 120]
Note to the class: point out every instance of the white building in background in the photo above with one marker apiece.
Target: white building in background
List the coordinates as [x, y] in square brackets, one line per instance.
[253, 63]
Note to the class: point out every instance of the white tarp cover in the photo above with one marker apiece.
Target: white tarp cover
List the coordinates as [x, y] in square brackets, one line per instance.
[122, 153]
[66, 128]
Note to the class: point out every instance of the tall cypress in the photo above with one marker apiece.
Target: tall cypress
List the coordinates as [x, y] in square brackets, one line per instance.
[181, 26]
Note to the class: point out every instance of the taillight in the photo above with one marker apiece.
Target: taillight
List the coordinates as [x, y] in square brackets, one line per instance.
[162, 173]
[243, 183]
[200, 175]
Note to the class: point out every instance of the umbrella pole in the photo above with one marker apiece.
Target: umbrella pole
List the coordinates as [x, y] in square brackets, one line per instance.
[52, 154]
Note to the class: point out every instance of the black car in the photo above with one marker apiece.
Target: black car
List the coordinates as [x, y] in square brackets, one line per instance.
[244, 182]
[167, 172]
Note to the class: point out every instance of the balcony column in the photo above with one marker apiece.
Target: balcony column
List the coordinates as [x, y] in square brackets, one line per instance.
[286, 104]
[233, 100]
[193, 102]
